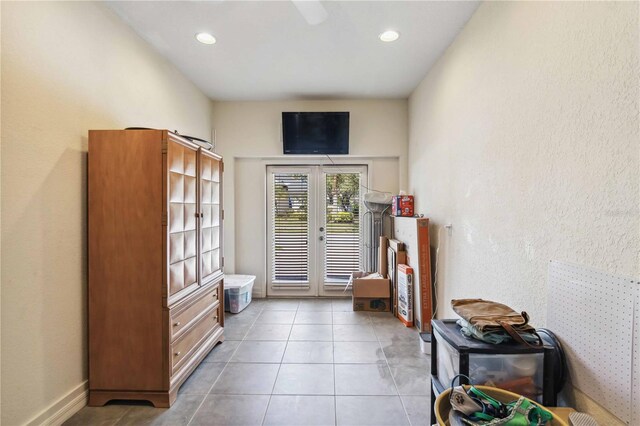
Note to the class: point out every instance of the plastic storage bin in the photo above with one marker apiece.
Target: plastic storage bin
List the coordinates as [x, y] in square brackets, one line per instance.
[525, 370]
[521, 373]
[237, 292]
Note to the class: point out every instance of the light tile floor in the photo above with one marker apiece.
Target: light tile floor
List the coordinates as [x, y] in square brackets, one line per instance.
[296, 362]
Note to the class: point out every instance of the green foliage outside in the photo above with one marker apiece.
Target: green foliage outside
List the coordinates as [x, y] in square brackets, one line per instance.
[343, 201]
[291, 205]
[340, 217]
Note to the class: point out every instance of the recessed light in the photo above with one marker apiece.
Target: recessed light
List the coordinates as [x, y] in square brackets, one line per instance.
[205, 38]
[389, 36]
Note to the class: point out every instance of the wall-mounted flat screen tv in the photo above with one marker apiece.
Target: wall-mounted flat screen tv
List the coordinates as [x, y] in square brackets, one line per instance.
[315, 132]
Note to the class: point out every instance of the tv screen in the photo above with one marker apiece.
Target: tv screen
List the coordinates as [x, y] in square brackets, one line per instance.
[315, 132]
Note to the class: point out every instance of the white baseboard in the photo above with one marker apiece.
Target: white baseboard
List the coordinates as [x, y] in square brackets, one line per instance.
[65, 407]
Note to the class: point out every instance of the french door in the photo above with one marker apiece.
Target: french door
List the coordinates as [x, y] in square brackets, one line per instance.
[314, 228]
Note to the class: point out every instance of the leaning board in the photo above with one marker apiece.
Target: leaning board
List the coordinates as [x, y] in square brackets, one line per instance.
[414, 233]
[595, 315]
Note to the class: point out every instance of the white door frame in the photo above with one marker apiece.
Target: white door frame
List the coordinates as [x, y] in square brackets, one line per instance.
[335, 289]
[307, 288]
[316, 216]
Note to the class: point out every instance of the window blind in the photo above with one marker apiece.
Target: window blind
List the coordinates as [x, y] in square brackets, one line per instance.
[342, 248]
[290, 228]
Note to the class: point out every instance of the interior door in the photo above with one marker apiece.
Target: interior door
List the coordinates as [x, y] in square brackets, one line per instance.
[314, 228]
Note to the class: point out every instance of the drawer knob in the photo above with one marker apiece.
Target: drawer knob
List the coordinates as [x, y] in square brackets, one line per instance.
[176, 324]
[177, 354]
[215, 318]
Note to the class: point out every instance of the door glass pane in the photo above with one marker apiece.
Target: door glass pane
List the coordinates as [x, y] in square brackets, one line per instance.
[290, 214]
[342, 234]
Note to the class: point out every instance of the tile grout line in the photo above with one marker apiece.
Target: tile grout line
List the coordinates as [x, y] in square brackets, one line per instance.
[273, 388]
[223, 369]
[335, 391]
[244, 339]
[395, 384]
[264, 415]
[333, 367]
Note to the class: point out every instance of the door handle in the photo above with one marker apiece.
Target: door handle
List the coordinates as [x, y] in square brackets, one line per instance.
[321, 228]
[321, 238]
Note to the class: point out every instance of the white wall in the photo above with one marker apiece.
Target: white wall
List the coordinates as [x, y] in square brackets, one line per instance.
[525, 137]
[67, 67]
[248, 135]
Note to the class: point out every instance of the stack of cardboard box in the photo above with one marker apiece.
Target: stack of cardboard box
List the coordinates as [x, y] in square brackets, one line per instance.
[402, 284]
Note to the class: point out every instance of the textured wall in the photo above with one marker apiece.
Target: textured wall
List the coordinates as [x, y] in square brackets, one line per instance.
[525, 137]
[67, 67]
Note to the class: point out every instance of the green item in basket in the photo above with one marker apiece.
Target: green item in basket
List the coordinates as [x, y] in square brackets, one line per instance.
[521, 413]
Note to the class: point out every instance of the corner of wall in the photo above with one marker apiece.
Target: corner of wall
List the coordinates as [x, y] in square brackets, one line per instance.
[581, 402]
[64, 408]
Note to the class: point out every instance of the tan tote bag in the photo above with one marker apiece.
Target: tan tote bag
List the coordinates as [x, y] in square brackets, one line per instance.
[487, 316]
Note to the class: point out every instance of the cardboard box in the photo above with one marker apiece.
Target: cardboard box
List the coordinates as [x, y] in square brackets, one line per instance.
[370, 294]
[402, 205]
[405, 295]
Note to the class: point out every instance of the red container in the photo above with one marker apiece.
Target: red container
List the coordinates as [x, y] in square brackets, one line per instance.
[402, 205]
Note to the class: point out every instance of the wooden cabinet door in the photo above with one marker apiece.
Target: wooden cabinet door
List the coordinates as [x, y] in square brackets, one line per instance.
[182, 245]
[211, 218]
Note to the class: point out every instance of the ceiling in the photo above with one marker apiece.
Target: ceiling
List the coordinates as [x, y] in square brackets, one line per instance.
[267, 50]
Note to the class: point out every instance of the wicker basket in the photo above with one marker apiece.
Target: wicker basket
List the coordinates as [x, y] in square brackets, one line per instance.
[443, 407]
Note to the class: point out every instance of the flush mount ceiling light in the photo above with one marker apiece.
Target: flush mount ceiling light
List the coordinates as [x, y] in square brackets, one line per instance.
[205, 38]
[389, 36]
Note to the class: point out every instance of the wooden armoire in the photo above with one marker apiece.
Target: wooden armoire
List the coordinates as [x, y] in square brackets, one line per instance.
[155, 263]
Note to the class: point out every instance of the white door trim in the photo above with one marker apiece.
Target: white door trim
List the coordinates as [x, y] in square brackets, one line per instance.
[325, 289]
[316, 216]
[308, 288]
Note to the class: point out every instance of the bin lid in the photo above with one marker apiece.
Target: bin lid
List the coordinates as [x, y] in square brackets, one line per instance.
[450, 331]
[236, 281]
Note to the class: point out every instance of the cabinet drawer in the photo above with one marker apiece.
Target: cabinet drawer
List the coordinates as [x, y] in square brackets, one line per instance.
[185, 315]
[183, 347]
